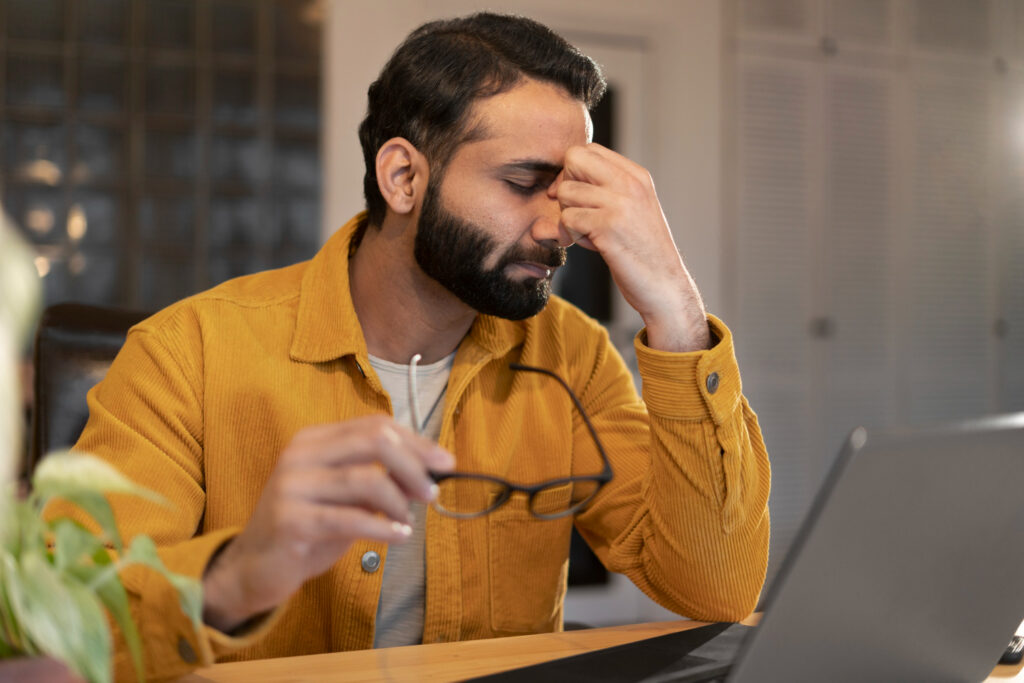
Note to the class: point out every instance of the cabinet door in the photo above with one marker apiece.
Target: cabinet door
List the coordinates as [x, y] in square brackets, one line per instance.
[780, 21]
[778, 189]
[862, 24]
[1009, 324]
[946, 265]
[860, 234]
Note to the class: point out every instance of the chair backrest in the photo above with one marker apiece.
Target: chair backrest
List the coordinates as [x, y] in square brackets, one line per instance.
[75, 344]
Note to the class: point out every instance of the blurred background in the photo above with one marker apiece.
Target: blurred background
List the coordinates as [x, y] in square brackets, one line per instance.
[843, 178]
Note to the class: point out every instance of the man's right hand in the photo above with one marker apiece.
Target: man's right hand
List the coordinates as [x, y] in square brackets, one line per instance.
[333, 485]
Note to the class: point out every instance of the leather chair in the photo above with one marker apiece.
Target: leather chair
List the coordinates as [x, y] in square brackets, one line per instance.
[74, 346]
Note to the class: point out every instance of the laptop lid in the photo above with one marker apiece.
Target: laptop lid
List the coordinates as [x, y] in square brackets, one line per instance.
[909, 565]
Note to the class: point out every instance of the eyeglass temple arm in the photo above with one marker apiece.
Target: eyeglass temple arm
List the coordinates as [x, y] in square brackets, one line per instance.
[579, 407]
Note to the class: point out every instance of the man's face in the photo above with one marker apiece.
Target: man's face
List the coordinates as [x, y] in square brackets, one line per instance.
[452, 251]
[488, 232]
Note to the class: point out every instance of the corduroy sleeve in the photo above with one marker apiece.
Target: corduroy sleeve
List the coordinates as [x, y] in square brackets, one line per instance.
[686, 515]
[146, 419]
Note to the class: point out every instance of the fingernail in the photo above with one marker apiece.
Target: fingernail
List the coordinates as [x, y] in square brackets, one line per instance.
[432, 492]
[403, 529]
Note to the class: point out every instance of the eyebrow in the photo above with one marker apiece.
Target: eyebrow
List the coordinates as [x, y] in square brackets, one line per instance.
[533, 166]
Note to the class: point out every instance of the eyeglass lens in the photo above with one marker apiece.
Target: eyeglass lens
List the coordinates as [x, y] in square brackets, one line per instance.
[471, 496]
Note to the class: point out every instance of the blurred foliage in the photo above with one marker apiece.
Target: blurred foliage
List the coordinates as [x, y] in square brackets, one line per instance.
[58, 579]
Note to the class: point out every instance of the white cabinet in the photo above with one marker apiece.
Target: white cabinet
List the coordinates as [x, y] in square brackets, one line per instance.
[877, 197]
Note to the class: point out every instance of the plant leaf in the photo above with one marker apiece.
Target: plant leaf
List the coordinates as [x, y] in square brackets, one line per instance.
[19, 282]
[73, 543]
[99, 509]
[9, 531]
[26, 531]
[111, 593]
[64, 472]
[190, 596]
[12, 631]
[62, 619]
[82, 480]
[95, 657]
[190, 591]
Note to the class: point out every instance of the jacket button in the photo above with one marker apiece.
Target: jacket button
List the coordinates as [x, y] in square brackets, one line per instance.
[370, 561]
[185, 651]
[712, 383]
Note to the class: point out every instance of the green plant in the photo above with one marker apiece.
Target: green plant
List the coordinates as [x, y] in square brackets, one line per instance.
[57, 576]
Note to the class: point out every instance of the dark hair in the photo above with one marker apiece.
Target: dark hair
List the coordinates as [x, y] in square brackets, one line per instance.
[425, 90]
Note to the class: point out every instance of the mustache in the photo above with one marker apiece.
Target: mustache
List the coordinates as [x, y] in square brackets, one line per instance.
[553, 258]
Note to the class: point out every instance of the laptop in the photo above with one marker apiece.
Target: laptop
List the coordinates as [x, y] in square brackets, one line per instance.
[908, 567]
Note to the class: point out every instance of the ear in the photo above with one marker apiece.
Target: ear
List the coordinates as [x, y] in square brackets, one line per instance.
[401, 174]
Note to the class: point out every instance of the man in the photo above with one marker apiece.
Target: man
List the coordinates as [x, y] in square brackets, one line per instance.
[274, 410]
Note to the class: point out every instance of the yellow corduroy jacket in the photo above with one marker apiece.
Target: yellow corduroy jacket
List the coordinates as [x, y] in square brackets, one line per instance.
[205, 394]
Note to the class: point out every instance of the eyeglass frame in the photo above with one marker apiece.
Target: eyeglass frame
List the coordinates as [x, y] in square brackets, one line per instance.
[531, 491]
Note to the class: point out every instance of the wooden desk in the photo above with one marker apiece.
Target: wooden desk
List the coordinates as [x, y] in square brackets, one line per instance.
[457, 661]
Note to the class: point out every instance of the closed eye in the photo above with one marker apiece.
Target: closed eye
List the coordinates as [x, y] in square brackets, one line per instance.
[525, 190]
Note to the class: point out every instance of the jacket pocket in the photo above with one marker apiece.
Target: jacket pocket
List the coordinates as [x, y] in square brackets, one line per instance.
[529, 563]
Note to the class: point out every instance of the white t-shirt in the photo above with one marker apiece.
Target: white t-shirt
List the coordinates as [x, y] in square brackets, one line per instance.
[402, 593]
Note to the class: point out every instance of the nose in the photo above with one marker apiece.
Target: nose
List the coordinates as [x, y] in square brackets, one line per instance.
[547, 226]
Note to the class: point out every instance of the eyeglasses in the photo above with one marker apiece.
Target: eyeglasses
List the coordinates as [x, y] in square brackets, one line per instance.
[469, 494]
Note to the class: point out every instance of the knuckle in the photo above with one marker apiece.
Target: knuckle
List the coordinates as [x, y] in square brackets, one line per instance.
[290, 453]
[574, 156]
[647, 180]
[384, 437]
[623, 203]
[635, 187]
[285, 525]
[286, 487]
[380, 440]
[344, 476]
[308, 526]
[359, 480]
[380, 421]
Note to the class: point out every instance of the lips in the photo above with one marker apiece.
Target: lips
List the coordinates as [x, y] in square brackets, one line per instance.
[535, 269]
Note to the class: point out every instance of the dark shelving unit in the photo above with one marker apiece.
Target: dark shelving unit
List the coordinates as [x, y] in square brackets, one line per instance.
[150, 149]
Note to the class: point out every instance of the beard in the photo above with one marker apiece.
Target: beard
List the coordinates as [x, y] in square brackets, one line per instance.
[452, 251]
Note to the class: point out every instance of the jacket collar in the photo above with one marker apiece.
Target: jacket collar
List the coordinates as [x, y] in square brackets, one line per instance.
[326, 327]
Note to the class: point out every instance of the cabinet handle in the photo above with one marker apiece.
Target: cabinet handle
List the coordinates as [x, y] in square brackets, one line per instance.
[823, 327]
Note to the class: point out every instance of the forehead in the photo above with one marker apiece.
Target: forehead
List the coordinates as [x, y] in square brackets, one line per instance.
[534, 120]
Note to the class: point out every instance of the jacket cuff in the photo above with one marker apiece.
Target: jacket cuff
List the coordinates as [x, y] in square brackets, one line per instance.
[250, 633]
[171, 643]
[694, 385]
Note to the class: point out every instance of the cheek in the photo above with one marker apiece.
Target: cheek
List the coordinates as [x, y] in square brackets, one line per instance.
[478, 205]
[501, 238]
[485, 204]
[491, 262]
[503, 223]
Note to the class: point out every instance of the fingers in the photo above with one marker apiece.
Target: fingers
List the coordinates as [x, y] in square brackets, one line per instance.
[596, 164]
[576, 231]
[580, 194]
[368, 487]
[601, 194]
[405, 456]
[587, 165]
[333, 485]
[380, 427]
[341, 524]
